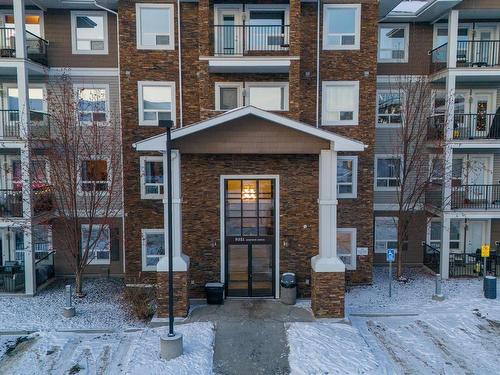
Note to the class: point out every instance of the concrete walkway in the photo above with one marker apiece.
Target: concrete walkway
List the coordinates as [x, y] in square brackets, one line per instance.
[250, 335]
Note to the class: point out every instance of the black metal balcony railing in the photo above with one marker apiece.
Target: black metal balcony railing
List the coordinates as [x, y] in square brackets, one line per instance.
[36, 47]
[236, 40]
[482, 197]
[467, 126]
[39, 125]
[11, 203]
[432, 257]
[470, 53]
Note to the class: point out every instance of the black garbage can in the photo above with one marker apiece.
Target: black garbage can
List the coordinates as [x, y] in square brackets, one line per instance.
[215, 293]
[288, 284]
[490, 287]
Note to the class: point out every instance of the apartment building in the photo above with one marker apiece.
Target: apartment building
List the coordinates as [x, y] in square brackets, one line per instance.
[39, 41]
[274, 118]
[455, 45]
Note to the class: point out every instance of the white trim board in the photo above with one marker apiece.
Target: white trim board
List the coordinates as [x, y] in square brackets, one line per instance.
[276, 179]
[339, 143]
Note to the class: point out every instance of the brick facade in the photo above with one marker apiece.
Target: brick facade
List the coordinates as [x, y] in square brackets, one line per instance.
[181, 305]
[327, 299]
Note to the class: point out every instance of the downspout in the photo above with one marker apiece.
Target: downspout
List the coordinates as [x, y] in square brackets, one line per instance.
[120, 120]
[180, 61]
[318, 80]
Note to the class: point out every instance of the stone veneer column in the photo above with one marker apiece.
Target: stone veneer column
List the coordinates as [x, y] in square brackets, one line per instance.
[328, 271]
[180, 261]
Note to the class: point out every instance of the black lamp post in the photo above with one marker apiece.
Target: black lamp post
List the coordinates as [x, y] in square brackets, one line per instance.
[168, 124]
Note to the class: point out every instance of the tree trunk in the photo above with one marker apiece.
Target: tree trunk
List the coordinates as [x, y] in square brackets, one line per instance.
[399, 268]
[79, 284]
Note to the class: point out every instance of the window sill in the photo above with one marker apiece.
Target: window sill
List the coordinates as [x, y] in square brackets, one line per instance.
[75, 52]
[155, 48]
[356, 123]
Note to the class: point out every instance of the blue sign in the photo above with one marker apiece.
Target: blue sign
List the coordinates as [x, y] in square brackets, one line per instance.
[391, 255]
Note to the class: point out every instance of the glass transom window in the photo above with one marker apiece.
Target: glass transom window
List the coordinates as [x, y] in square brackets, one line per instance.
[155, 26]
[341, 26]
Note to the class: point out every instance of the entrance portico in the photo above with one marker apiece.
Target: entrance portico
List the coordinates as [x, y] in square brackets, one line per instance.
[251, 209]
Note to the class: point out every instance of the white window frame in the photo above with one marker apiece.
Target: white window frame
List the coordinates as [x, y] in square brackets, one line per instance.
[355, 116]
[357, 27]
[78, 86]
[80, 177]
[387, 156]
[430, 241]
[140, 86]
[353, 233]
[354, 184]
[143, 161]
[404, 26]
[76, 13]
[402, 98]
[237, 85]
[8, 86]
[144, 233]
[95, 260]
[395, 220]
[171, 34]
[280, 84]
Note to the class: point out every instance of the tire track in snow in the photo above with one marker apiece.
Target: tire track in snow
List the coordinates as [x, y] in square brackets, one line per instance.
[8, 361]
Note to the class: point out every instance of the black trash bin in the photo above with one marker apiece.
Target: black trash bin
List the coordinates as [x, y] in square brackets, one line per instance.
[288, 284]
[215, 293]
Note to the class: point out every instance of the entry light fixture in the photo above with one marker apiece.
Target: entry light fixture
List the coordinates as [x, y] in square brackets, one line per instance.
[248, 193]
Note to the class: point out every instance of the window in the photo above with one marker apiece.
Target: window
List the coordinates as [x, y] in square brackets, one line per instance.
[436, 168]
[92, 103]
[228, 96]
[156, 98]
[155, 26]
[36, 99]
[89, 32]
[153, 248]
[267, 28]
[96, 238]
[386, 234]
[455, 234]
[393, 43]
[441, 37]
[340, 103]
[341, 26]
[95, 175]
[435, 234]
[152, 177]
[268, 96]
[388, 107]
[347, 176]
[346, 246]
[387, 172]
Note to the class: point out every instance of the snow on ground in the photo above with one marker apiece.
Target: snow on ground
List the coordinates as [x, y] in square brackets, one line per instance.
[128, 353]
[460, 335]
[101, 308]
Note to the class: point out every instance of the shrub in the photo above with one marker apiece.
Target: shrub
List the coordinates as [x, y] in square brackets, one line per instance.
[141, 301]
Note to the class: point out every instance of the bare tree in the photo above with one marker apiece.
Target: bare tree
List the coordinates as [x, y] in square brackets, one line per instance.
[82, 154]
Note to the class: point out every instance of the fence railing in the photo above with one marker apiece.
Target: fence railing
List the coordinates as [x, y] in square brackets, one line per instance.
[432, 257]
[472, 264]
[11, 203]
[232, 40]
[466, 126]
[36, 47]
[483, 197]
[470, 53]
[39, 124]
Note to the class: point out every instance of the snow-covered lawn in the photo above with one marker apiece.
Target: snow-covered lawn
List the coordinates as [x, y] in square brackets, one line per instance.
[116, 353]
[101, 308]
[460, 335]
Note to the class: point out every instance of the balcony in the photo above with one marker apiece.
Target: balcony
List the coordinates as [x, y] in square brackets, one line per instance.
[470, 54]
[475, 197]
[36, 47]
[250, 49]
[467, 126]
[10, 125]
[11, 200]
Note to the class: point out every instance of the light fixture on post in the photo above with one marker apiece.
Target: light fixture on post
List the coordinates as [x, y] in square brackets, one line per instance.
[170, 346]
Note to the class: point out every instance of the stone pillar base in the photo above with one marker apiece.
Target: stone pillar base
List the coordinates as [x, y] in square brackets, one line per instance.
[181, 299]
[327, 294]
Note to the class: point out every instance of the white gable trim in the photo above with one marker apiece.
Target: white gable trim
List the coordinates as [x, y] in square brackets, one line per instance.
[339, 143]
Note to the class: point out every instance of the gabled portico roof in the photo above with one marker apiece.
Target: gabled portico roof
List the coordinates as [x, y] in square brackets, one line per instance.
[339, 143]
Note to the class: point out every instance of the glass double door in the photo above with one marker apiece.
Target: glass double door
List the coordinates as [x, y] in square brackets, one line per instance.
[249, 237]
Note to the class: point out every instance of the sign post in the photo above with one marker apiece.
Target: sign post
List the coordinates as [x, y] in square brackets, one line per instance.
[485, 253]
[391, 256]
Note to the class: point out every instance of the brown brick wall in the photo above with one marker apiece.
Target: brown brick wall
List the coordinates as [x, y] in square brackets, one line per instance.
[181, 300]
[328, 291]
